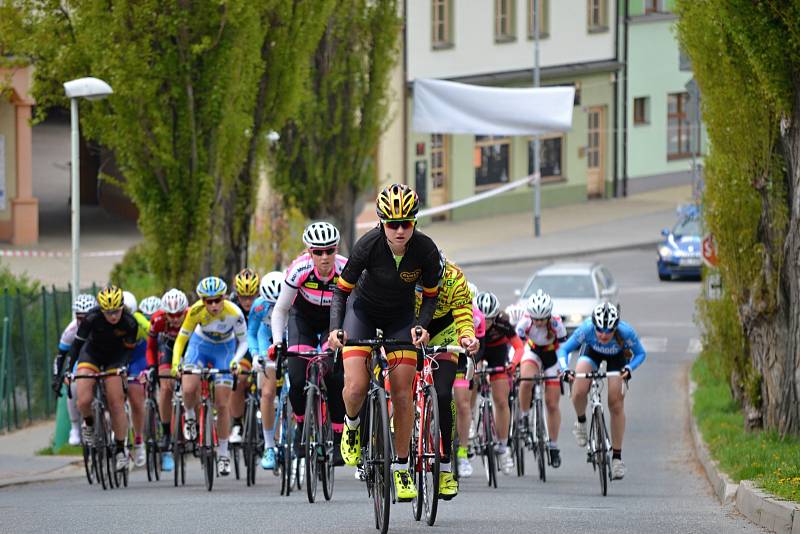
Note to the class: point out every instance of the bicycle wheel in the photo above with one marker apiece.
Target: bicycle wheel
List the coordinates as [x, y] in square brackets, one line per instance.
[207, 452]
[150, 440]
[599, 448]
[329, 441]
[415, 462]
[88, 463]
[517, 439]
[100, 465]
[489, 459]
[287, 438]
[178, 444]
[541, 441]
[236, 454]
[431, 459]
[249, 444]
[311, 441]
[379, 459]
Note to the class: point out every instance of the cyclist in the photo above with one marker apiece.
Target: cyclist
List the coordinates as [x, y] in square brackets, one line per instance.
[462, 389]
[305, 303]
[451, 324]
[103, 342]
[215, 332]
[82, 305]
[136, 370]
[259, 339]
[246, 284]
[544, 332]
[499, 336]
[165, 324]
[603, 338]
[384, 268]
[149, 306]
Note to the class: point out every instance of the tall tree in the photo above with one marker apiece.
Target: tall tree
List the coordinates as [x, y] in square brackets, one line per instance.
[746, 58]
[326, 154]
[196, 83]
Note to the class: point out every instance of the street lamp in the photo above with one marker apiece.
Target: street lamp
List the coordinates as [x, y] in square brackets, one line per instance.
[90, 89]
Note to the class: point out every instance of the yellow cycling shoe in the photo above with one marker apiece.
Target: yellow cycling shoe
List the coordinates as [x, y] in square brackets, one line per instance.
[350, 446]
[404, 486]
[448, 486]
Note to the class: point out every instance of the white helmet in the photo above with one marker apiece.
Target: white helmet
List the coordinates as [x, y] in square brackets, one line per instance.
[174, 301]
[605, 317]
[150, 305]
[515, 313]
[488, 304]
[321, 235]
[83, 303]
[540, 305]
[129, 301]
[271, 286]
[473, 290]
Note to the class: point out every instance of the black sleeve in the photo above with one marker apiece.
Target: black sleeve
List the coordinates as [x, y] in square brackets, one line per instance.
[431, 275]
[356, 263]
[481, 348]
[80, 337]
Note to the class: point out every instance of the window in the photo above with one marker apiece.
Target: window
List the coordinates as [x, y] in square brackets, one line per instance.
[551, 160]
[679, 138]
[654, 6]
[491, 160]
[441, 24]
[641, 110]
[504, 21]
[598, 15]
[541, 14]
[438, 161]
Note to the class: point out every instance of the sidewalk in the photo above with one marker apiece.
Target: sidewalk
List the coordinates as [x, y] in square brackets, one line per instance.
[19, 463]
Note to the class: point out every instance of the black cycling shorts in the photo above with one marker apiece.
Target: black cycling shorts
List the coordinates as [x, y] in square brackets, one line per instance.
[91, 358]
[360, 323]
[614, 362]
[304, 330]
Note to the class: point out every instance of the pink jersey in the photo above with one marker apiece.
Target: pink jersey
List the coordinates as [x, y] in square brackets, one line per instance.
[310, 285]
[479, 322]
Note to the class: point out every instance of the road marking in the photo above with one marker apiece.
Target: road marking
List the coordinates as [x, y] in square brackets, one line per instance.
[654, 344]
[695, 346]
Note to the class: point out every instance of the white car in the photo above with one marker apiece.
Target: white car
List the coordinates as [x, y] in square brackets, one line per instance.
[576, 288]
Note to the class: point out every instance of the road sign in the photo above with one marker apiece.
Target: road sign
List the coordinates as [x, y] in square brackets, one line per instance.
[710, 251]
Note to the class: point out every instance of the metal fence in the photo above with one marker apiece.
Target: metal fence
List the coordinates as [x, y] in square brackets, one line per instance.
[31, 323]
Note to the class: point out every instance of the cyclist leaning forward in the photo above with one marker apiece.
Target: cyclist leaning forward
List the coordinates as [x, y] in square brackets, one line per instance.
[104, 342]
[384, 268]
[246, 283]
[306, 298]
[452, 323]
[217, 336]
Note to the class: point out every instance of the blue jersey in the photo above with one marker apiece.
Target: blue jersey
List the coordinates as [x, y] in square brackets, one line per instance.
[259, 331]
[585, 335]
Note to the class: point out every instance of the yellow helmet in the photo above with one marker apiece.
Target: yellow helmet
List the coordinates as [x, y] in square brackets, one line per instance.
[246, 283]
[397, 201]
[110, 298]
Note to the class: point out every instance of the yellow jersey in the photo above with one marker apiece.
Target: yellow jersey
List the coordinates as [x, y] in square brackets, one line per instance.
[228, 324]
[453, 297]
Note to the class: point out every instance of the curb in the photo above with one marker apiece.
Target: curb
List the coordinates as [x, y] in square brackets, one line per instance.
[73, 470]
[759, 507]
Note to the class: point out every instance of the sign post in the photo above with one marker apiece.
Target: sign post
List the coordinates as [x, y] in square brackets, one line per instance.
[710, 258]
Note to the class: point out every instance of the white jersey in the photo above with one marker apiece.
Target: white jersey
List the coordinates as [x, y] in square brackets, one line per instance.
[542, 336]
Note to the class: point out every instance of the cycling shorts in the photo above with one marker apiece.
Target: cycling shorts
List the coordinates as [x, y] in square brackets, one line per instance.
[138, 361]
[443, 332]
[360, 323]
[546, 361]
[201, 353]
[91, 358]
[307, 333]
[165, 355]
[614, 362]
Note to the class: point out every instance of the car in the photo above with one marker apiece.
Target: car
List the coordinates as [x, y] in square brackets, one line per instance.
[679, 253]
[576, 288]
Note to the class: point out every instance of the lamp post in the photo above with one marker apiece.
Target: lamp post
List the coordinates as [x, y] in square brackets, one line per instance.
[90, 89]
[537, 184]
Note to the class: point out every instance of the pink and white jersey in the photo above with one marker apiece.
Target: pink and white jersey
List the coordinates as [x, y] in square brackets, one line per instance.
[546, 337]
[310, 285]
[478, 322]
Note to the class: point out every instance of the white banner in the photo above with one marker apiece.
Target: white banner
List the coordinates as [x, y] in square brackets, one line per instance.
[449, 107]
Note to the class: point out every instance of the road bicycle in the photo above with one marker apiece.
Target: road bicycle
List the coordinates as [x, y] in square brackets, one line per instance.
[537, 436]
[252, 445]
[485, 441]
[285, 426]
[152, 428]
[180, 445]
[519, 432]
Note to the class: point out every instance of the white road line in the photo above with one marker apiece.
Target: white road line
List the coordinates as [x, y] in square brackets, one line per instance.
[654, 344]
[695, 346]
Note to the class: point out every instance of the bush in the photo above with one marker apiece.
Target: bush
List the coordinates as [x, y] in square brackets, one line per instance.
[133, 274]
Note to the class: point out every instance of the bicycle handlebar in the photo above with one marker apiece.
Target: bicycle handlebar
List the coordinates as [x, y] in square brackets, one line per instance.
[438, 349]
[597, 374]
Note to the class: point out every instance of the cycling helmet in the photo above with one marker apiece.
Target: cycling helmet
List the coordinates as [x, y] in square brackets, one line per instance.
[540, 305]
[246, 283]
[110, 298]
[150, 305]
[320, 235]
[605, 317]
[515, 313]
[210, 287]
[397, 201]
[83, 303]
[473, 290]
[487, 303]
[271, 286]
[174, 301]
[130, 301]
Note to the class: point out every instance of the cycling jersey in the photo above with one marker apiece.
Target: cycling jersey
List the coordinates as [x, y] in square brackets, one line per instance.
[67, 337]
[226, 326]
[384, 287]
[306, 292]
[497, 339]
[259, 332]
[542, 342]
[478, 322]
[160, 338]
[138, 358]
[453, 299]
[101, 343]
[585, 335]
[235, 299]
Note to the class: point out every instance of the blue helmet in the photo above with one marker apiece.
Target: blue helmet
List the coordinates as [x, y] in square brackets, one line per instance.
[210, 287]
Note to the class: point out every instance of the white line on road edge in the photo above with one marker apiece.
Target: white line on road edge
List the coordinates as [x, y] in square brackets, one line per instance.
[23, 253]
[654, 344]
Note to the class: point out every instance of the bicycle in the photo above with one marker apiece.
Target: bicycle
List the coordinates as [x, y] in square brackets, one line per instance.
[598, 446]
[180, 446]
[285, 426]
[152, 429]
[376, 442]
[519, 432]
[485, 441]
[252, 437]
[538, 436]
[426, 451]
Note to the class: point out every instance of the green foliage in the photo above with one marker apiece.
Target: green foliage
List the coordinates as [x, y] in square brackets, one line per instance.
[326, 154]
[133, 274]
[764, 457]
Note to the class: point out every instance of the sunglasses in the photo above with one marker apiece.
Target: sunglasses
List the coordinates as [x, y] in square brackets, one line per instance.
[604, 330]
[324, 251]
[175, 316]
[215, 300]
[394, 225]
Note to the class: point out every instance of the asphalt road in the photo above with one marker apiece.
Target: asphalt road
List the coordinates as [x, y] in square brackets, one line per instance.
[665, 489]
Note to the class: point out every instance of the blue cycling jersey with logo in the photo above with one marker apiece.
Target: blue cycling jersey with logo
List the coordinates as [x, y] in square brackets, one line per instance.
[585, 335]
[259, 331]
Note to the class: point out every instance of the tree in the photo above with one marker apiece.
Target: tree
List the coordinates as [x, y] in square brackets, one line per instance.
[746, 58]
[326, 154]
[196, 83]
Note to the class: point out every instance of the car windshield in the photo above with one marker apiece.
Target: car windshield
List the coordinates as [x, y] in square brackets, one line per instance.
[563, 286]
[688, 226]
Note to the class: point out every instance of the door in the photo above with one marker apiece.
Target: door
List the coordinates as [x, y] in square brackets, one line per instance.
[440, 157]
[595, 153]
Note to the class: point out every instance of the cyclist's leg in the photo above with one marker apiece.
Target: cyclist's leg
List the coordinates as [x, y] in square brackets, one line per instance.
[528, 368]
[269, 390]
[462, 394]
[137, 365]
[85, 390]
[443, 379]
[166, 388]
[616, 403]
[196, 357]
[223, 383]
[580, 389]
[236, 403]
[496, 357]
[403, 360]
[358, 325]
[115, 401]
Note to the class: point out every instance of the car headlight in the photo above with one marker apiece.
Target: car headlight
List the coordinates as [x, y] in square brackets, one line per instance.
[665, 252]
[575, 318]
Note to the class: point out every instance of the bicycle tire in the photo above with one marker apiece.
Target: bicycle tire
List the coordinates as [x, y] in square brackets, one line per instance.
[88, 462]
[415, 461]
[288, 449]
[518, 440]
[431, 465]
[236, 454]
[249, 443]
[541, 442]
[177, 443]
[207, 454]
[311, 439]
[100, 465]
[490, 464]
[149, 431]
[328, 469]
[600, 448]
[379, 459]
[111, 467]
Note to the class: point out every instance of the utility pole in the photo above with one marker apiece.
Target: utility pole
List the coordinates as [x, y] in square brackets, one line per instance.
[537, 184]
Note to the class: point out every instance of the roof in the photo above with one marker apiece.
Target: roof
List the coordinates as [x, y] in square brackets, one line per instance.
[567, 268]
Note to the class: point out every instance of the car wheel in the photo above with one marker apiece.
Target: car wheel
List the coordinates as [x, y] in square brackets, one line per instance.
[664, 277]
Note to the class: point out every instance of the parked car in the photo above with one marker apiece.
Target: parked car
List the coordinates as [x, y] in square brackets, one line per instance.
[576, 288]
[679, 254]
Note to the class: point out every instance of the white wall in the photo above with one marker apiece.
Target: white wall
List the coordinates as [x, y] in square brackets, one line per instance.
[475, 50]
